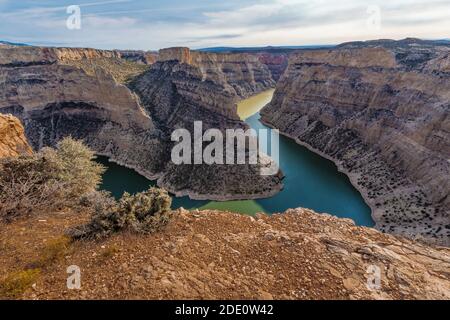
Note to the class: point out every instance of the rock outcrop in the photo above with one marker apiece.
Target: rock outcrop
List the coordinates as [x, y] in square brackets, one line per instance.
[141, 57]
[184, 87]
[58, 92]
[381, 111]
[242, 73]
[275, 62]
[12, 137]
[55, 97]
[222, 255]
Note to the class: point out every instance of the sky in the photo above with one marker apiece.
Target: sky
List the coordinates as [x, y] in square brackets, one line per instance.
[155, 24]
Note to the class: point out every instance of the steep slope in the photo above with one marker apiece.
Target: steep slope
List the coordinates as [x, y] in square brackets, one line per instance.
[221, 255]
[184, 87]
[382, 113]
[58, 92]
[54, 99]
[12, 137]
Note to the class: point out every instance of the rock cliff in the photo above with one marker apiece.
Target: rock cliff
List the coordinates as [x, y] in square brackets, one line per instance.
[141, 57]
[381, 111]
[275, 62]
[58, 92]
[54, 96]
[12, 137]
[239, 72]
[184, 87]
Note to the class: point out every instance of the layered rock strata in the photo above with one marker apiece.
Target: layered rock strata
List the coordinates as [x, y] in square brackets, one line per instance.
[242, 73]
[382, 113]
[55, 98]
[275, 62]
[184, 87]
[59, 92]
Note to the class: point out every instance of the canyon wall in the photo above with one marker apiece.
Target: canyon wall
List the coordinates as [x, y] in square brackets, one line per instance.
[184, 87]
[381, 112]
[239, 72]
[138, 56]
[55, 98]
[275, 62]
[13, 141]
[59, 92]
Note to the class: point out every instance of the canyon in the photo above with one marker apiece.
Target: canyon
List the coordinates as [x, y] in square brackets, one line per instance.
[380, 110]
[59, 92]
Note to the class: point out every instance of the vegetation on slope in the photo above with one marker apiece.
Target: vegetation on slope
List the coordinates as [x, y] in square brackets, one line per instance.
[49, 180]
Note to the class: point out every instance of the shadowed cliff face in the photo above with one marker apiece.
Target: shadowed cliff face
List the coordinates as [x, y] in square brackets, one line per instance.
[238, 73]
[54, 99]
[185, 87]
[275, 62]
[383, 114]
[59, 92]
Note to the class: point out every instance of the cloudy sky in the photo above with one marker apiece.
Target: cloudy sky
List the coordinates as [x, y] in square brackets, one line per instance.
[153, 24]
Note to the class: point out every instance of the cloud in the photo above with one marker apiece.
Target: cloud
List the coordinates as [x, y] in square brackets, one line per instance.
[154, 24]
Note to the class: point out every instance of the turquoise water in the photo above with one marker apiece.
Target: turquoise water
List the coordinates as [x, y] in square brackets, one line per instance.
[310, 182]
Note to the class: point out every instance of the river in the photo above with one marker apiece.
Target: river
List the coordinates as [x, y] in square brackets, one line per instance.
[310, 180]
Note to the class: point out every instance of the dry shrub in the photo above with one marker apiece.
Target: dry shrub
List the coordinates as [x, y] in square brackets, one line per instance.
[143, 213]
[16, 283]
[53, 251]
[108, 253]
[49, 180]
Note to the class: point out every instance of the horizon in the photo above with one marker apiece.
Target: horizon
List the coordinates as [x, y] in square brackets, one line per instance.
[237, 48]
[152, 25]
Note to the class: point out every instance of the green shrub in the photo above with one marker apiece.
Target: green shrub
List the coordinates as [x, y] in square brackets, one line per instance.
[47, 180]
[143, 213]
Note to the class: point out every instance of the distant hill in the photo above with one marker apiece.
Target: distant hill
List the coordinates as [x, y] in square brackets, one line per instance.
[273, 49]
[7, 43]
[388, 43]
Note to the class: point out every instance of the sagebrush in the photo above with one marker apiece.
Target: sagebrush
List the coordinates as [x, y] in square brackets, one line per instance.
[143, 213]
[48, 180]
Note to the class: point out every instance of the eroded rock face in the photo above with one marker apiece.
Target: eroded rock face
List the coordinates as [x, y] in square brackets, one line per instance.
[275, 62]
[141, 57]
[242, 73]
[12, 137]
[382, 113]
[55, 97]
[59, 92]
[177, 94]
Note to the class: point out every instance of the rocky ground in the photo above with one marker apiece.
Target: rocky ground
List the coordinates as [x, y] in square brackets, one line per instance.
[222, 255]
